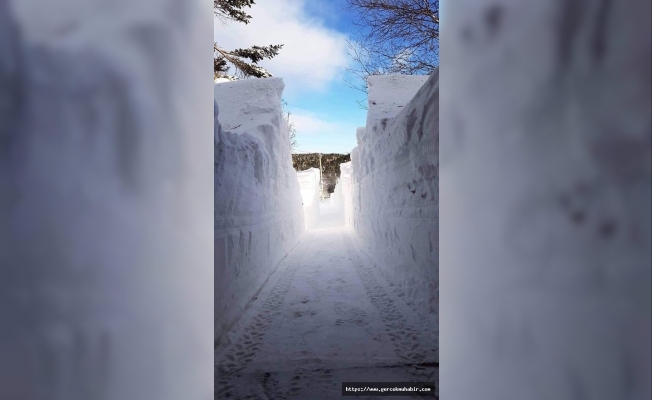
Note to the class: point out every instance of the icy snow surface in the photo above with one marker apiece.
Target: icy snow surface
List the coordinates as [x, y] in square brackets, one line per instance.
[258, 213]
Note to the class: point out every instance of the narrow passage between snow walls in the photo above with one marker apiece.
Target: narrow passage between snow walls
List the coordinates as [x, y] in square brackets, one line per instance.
[310, 293]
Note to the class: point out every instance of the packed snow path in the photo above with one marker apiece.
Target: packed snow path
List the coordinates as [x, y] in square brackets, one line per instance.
[324, 317]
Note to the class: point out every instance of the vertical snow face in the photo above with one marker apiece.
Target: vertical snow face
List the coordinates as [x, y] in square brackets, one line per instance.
[545, 179]
[105, 277]
[309, 185]
[344, 193]
[258, 212]
[390, 186]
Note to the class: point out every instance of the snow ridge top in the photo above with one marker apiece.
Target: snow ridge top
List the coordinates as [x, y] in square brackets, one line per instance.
[248, 103]
[388, 94]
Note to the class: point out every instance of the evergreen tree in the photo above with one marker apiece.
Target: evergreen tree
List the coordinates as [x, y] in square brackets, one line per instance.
[244, 61]
[232, 10]
[330, 166]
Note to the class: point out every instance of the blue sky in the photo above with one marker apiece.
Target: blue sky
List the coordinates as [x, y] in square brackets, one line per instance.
[312, 63]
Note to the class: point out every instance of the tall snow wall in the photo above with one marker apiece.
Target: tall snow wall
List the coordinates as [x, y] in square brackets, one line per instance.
[546, 174]
[258, 213]
[391, 201]
[309, 186]
[338, 196]
[344, 193]
[105, 190]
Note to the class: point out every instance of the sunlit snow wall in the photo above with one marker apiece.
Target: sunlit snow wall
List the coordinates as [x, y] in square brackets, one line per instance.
[391, 201]
[258, 212]
[309, 183]
[343, 194]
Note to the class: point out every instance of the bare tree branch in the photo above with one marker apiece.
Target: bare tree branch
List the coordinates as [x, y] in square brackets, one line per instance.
[393, 37]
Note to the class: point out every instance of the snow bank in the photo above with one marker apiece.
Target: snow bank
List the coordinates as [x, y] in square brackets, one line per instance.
[105, 184]
[390, 186]
[258, 213]
[309, 185]
[546, 138]
[338, 197]
[344, 202]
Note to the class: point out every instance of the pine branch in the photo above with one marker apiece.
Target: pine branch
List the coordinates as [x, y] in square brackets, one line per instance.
[232, 10]
[244, 68]
[258, 53]
[243, 60]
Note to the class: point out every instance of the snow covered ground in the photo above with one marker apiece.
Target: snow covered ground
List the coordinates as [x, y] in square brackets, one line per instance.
[327, 315]
[258, 212]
